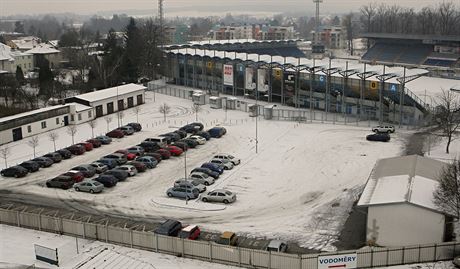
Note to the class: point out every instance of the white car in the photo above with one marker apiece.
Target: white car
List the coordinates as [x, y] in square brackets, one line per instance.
[383, 129]
[222, 196]
[132, 171]
[227, 165]
[200, 140]
[228, 157]
[202, 178]
[100, 167]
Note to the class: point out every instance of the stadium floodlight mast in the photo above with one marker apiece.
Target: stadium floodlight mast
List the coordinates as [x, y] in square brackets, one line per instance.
[317, 2]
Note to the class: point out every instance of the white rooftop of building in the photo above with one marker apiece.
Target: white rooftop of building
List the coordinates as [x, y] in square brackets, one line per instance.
[432, 86]
[110, 92]
[408, 179]
[79, 107]
[26, 43]
[32, 112]
[43, 49]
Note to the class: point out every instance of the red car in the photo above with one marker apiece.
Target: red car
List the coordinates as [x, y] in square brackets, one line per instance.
[77, 149]
[88, 146]
[139, 166]
[77, 176]
[165, 154]
[175, 151]
[191, 232]
[130, 156]
[96, 143]
[115, 134]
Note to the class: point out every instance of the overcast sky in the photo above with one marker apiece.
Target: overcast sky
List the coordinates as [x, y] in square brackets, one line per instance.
[184, 7]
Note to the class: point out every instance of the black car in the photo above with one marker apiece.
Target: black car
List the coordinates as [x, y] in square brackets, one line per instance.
[183, 134]
[190, 128]
[109, 162]
[136, 126]
[14, 171]
[190, 142]
[382, 137]
[56, 157]
[207, 171]
[30, 166]
[204, 134]
[43, 161]
[183, 146]
[149, 146]
[65, 154]
[63, 182]
[169, 227]
[107, 180]
[174, 136]
[119, 174]
[198, 125]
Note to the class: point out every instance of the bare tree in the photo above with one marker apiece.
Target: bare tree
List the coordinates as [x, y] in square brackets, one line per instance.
[33, 143]
[447, 195]
[108, 120]
[72, 130]
[195, 109]
[348, 24]
[53, 136]
[137, 110]
[165, 109]
[120, 115]
[5, 153]
[92, 124]
[448, 114]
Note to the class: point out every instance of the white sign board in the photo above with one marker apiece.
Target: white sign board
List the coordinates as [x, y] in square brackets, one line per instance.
[337, 261]
[45, 254]
[228, 74]
[262, 83]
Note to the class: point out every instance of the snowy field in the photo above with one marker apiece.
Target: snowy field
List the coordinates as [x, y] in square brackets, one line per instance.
[300, 186]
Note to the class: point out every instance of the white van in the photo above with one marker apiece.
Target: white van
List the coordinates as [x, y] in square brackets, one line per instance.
[161, 141]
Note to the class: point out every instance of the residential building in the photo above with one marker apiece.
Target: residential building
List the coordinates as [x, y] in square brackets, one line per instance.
[48, 52]
[333, 37]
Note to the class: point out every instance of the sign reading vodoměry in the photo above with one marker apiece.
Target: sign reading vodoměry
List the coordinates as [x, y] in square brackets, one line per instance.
[337, 261]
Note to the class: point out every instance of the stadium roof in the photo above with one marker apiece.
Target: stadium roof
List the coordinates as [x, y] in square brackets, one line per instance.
[229, 42]
[455, 38]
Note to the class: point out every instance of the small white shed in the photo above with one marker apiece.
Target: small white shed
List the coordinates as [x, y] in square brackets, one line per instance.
[215, 102]
[199, 98]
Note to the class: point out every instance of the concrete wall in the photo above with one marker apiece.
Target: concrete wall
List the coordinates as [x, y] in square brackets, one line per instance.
[77, 117]
[404, 224]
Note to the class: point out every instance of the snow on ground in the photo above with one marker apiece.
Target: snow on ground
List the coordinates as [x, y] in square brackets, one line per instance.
[435, 147]
[91, 254]
[300, 186]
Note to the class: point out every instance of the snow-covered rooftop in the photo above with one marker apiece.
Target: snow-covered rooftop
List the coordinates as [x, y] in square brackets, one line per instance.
[407, 179]
[5, 53]
[26, 43]
[110, 92]
[80, 107]
[32, 112]
[431, 86]
[43, 49]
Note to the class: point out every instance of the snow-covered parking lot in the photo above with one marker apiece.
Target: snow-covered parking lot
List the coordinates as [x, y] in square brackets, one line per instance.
[299, 187]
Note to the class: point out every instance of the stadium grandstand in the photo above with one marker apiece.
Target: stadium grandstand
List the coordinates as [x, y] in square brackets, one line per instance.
[430, 51]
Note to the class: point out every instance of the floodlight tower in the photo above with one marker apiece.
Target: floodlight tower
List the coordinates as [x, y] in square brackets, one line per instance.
[317, 2]
[160, 13]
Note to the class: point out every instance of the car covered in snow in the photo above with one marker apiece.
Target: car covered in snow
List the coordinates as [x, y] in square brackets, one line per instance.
[222, 196]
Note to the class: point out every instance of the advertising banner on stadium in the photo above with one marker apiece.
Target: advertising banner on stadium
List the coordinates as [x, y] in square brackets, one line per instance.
[228, 74]
[338, 261]
[262, 80]
[289, 84]
[250, 79]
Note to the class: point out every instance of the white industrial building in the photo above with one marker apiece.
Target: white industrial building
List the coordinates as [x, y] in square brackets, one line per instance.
[399, 201]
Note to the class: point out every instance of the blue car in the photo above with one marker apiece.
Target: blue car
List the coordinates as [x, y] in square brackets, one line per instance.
[149, 161]
[213, 167]
[109, 162]
[216, 132]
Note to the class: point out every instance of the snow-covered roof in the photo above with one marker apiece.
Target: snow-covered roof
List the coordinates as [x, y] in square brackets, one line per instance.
[431, 86]
[408, 179]
[43, 49]
[80, 107]
[32, 112]
[110, 92]
[26, 43]
[5, 53]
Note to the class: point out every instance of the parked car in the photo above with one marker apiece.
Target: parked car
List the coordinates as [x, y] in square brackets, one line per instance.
[111, 163]
[56, 157]
[182, 192]
[228, 238]
[115, 134]
[203, 134]
[382, 137]
[228, 157]
[63, 182]
[136, 126]
[202, 178]
[140, 167]
[86, 169]
[191, 232]
[181, 133]
[200, 140]
[155, 155]
[88, 146]
[165, 154]
[277, 246]
[383, 129]
[169, 227]
[149, 161]
[30, 166]
[174, 137]
[121, 175]
[105, 140]
[100, 167]
[198, 125]
[160, 141]
[43, 161]
[190, 184]
[65, 154]
[132, 171]
[138, 150]
[216, 132]
[206, 171]
[226, 164]
[129, 156]
[107, 180]
[175, 151]
[456, 262]
[183, 146]
[76, 149]
[14, 171]
[95, 142]
[222, 196]
[91, 186]
[149, 146]
[76, 176]
[120, 158]
[128, 130]
[213, 167]
[190, 128]
[189, 142]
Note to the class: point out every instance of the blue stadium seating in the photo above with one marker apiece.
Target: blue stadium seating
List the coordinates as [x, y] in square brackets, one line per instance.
[395, 53]
[440, 62]
[278, 51]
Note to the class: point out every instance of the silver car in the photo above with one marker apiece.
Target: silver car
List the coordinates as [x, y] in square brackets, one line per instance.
[91, 186]
[200, 140]
[228, 157]
[132, 171]
[190, 184]
[222, 196]
[227, 165]
[100, 167]
[202, 178]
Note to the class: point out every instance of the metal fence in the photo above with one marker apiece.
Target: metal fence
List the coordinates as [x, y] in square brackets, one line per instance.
[209, 251]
